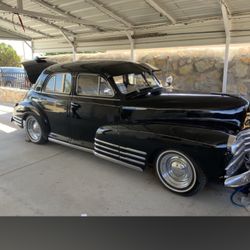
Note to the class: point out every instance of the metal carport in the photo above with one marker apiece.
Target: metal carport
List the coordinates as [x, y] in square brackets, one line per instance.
[87, 25]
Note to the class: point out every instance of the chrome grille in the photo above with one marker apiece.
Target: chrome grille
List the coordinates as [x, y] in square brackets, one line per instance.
[240, 149]
[118, 152]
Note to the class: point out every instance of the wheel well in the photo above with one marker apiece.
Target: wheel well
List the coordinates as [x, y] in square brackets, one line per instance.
[44, 124]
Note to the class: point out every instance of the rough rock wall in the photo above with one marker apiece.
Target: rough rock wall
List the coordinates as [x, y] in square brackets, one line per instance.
[193, 69]
[11, 95]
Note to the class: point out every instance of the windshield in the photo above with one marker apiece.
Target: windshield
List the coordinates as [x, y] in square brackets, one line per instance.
[130, 83]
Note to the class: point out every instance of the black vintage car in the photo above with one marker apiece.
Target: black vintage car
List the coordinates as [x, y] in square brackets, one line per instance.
[118, 111]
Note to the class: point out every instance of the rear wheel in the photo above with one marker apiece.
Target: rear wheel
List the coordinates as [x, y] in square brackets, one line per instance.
[179, 173]
[34, 130]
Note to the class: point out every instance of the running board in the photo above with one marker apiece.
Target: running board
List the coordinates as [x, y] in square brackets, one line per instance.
[70, 145]
[95, 153]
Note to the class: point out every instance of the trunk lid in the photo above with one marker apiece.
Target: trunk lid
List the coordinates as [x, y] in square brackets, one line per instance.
[35, 67]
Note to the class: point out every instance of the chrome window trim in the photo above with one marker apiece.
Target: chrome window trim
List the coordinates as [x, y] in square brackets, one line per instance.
[95, 98]
[56, 93]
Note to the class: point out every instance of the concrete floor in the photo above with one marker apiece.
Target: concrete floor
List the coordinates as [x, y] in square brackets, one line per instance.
[55, 180]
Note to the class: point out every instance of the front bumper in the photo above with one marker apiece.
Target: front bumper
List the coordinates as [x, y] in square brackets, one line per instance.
[238, 169]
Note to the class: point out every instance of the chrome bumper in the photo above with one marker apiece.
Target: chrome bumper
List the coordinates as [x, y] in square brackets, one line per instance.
[241, 159]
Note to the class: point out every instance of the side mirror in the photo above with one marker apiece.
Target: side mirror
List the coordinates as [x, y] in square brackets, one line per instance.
[169, 81]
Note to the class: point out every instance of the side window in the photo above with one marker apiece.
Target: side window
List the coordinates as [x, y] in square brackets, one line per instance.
[59, 83]
[40, 81]
[50, 86]
[93, 85]
[105, 89]
[87, 85]
[67, 83]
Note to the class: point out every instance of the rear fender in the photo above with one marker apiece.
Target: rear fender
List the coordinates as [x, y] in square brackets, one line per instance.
[26, 108]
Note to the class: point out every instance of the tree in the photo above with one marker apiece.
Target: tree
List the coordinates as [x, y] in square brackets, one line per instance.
[8, 56]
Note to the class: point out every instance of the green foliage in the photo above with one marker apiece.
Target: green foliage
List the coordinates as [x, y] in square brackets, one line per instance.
[8, 56]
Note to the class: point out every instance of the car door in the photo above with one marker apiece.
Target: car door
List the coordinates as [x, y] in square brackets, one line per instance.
[55, 100]
[93, 105]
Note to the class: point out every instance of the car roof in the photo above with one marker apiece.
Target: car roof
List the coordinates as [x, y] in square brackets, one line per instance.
[108, 67]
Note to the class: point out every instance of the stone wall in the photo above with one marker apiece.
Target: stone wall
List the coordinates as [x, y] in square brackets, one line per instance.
[11, 95]
[194, 69]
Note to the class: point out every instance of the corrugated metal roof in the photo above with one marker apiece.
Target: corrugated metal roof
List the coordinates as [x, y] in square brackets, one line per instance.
[102, 24]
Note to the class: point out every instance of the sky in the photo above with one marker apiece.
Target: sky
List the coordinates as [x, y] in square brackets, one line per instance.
[22, 49]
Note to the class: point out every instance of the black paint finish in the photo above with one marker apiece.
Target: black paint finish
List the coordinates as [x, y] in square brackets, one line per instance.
[139, 126]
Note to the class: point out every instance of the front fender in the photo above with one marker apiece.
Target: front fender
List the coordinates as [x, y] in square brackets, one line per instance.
[208, 148]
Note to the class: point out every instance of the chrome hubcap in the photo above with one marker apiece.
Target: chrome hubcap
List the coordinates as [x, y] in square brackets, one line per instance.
[176, 171]
[34, 129]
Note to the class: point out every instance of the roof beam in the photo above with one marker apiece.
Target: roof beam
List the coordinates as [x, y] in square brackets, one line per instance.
[16, 34]
[225, 4]
[108, 12]
[227, 25]
[26, 27]
[156, 6]
[72, 44]
[20, 4]
[65, 17]
[42, 20]
[69, 17]
[55, 26]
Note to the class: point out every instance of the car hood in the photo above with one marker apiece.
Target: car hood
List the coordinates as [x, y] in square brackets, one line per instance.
[215, 110]
[35, 67]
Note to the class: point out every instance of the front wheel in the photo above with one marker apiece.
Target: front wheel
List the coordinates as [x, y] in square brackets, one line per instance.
[179, 173]
[34, 130]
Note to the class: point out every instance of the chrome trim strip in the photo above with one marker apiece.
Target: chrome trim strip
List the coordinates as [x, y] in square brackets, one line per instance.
[18, 118]
[111, 149]
[131, 160]
[134, 108]
[18, 121]
[124, 148]
[107, 143]
[133, 150]
[135, 156]
[18, 124]
[70, 145]
[105, 152]
[118, 162]
[235, 160]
